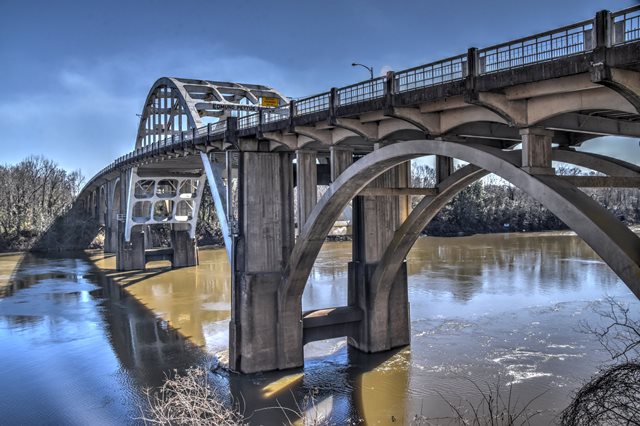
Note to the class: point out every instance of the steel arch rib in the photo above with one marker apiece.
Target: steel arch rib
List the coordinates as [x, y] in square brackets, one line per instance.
[615, 243]
[193, 117]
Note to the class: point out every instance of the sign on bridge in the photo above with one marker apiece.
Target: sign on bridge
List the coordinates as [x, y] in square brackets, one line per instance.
[270, 102]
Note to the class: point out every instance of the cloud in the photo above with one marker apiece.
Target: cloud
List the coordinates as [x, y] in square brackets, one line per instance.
[86, 116]
[385, 69]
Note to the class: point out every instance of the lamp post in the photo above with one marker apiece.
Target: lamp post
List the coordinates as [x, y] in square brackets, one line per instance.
[370, 69]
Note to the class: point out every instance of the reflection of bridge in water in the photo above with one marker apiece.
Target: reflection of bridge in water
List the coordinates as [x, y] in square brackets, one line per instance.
[555, 89]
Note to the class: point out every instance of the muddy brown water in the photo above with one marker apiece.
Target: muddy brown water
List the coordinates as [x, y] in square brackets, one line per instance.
[79, 341]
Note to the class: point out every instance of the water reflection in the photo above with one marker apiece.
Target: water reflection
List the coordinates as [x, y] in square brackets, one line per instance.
[146, 345]
[195, 301]
[55, 362]
[159, 307]
[482, 307]
[507, 264]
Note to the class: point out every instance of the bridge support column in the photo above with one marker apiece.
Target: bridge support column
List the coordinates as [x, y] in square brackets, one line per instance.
[444, 167]
[265, 333]
[341, 158]
[113, 209]
[375, 222]
[536, 150]
[92, 204]
[102, 204]
[130, 254]
[108, 225]
[307, 184]
[185, 249]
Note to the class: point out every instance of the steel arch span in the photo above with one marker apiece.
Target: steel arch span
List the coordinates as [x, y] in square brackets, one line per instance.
[174, 105]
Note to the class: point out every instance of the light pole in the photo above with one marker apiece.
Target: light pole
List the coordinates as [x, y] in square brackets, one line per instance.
[370, 69]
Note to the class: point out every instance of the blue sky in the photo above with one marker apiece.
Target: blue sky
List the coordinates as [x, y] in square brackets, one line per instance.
[76, 73]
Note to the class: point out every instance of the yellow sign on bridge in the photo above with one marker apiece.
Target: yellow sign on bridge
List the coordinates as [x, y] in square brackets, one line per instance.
[269, 102]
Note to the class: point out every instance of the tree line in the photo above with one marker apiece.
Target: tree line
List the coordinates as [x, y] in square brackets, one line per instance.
[33, 193]
[493, 205]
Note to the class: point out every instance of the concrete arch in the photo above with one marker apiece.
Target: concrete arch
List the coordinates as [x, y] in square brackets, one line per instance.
[450, 119]
[608, 165]
[406, 236]
[390, 127]
[395, 128]
[624, 82]
[614, 242]
[543, 108]
[428, 123]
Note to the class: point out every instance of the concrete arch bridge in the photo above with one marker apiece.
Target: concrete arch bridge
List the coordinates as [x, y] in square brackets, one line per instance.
[547, 93]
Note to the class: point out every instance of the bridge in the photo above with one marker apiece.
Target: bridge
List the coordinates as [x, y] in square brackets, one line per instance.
[509, 109]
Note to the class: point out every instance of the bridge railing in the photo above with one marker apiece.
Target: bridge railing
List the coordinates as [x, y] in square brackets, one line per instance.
[276, 114]
[360, 92]
[561, 42]
[248, 121]
[218, 127]
[443, 71]
[626, 25]
[315, 103]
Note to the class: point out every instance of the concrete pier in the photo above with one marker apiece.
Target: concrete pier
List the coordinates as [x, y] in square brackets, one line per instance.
[264, 243]
[185, 249]
[375, 220]
[307, 184]
[536, 150]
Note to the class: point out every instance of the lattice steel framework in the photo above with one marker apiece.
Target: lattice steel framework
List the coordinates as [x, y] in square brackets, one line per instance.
[175, 105]
[163, 200]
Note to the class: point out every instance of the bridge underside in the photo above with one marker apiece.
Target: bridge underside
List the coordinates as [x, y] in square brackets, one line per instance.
[256, 165]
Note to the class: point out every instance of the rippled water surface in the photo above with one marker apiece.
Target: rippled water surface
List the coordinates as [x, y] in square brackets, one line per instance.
[78, 341]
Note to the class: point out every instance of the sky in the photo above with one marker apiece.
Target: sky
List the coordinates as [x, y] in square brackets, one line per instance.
[75, 73]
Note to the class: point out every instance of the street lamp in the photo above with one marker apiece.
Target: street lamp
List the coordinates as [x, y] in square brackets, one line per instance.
[370, 69]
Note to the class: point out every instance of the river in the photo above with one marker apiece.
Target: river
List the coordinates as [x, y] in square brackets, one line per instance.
[79, 341]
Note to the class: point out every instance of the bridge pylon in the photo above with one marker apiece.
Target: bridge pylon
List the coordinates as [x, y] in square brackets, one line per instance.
[375, 220]
[260, 252]
[155, 197]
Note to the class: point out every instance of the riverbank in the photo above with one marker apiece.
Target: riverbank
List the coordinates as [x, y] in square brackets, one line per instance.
[8, 264]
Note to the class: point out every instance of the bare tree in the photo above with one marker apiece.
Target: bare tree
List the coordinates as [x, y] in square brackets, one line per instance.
[613, 395]
[32, 194]
[621, 336]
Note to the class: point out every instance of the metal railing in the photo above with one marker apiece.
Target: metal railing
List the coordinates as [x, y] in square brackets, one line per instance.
[312, 104]
[432, 74]
[218, 127]
[275, 114]
[561, 42]
[626, 25]
[202, 131]
[360, 92]
[248, 121]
